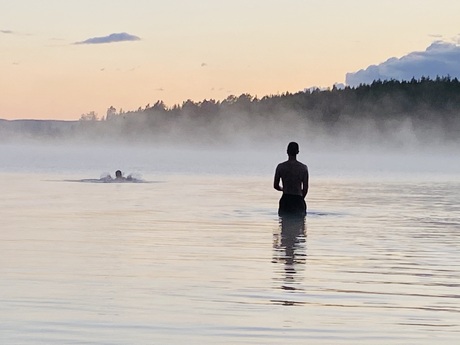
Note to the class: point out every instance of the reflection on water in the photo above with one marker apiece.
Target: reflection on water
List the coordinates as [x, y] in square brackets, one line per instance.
[192, 261]
[289, 250]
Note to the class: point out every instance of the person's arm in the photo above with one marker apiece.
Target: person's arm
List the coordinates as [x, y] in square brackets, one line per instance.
[305, 184]
[276, 180]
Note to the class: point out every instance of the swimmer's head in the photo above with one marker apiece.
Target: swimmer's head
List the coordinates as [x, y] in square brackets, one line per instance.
[293, 148]
[118, 174]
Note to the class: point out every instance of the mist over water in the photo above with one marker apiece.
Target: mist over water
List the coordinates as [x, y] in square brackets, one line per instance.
[198, 254]
[416, 118]
[326, 157]
[236, 142]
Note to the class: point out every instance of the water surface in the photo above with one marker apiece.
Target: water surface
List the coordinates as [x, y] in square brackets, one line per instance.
[199, 256]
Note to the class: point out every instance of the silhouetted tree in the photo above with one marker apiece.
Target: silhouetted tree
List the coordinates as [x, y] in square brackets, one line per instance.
[91, 116]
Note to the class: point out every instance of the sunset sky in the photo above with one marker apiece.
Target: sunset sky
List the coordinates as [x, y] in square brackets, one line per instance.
[60, 59]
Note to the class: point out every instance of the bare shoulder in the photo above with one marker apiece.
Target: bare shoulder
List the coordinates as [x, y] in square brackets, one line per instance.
[305, 168]
[301, 167]
[292, 166]
[284, 166]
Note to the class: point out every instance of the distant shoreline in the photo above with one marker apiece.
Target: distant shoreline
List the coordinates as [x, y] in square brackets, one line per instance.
[424, 111]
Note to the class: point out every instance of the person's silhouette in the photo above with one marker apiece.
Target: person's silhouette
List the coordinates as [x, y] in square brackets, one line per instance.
[294, 177]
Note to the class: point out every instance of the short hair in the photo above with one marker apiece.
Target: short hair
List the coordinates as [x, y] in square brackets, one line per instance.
[118, 173]
[293, 148]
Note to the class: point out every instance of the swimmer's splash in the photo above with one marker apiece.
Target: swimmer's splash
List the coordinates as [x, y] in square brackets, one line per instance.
[119, 178]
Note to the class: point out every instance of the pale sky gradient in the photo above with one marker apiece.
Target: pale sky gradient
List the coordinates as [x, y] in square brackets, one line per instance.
[176, 50]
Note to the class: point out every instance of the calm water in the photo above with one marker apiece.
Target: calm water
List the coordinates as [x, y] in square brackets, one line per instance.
[199, 256]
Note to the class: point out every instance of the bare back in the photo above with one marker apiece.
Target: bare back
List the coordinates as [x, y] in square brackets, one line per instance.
[294, 177]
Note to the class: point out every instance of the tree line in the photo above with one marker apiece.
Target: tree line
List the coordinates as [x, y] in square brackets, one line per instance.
[425, 103]
[427, 109]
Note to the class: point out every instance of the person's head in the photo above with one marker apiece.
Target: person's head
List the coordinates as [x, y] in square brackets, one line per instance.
[293, 149]
[118, 174]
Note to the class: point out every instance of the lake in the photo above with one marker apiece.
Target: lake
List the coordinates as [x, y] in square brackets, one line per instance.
[196, 254]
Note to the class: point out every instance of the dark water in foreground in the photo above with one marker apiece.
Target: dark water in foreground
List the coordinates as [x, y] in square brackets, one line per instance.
[204, 259]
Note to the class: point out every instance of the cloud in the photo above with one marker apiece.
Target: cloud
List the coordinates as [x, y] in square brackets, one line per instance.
[120, 37]
[439, 59]
[16, 33]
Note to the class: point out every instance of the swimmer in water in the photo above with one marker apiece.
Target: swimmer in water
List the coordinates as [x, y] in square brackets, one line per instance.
[118, 175]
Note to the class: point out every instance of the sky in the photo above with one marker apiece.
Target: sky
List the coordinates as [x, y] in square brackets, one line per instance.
[60, 59]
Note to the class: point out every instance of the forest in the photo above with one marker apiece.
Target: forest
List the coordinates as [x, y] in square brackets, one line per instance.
[425, 109]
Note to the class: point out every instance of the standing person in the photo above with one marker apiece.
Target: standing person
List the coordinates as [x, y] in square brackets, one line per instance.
[294, 177]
